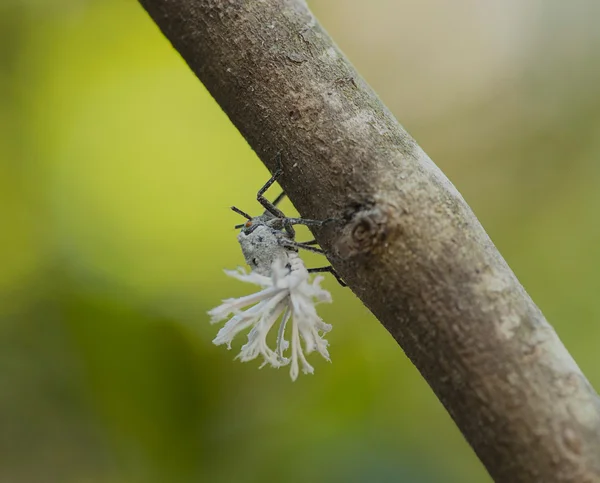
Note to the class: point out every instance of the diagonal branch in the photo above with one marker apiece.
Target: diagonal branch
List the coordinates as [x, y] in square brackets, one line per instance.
[409, 245]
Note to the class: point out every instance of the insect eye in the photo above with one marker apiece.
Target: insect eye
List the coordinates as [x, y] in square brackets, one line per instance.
[248, 224]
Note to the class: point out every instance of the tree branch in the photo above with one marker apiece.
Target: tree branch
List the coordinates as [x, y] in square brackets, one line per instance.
[409, 246]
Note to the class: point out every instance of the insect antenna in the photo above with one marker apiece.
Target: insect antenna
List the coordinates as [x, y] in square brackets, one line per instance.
[243, 213]
[240, 212]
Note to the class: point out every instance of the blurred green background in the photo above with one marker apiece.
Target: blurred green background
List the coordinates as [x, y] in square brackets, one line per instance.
[116, 173]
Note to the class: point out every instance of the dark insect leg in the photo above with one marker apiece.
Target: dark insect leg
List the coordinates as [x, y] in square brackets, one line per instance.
[303, 221]
[288, 222]
[307, 222]
[330, 270]
[304, 246]
[310, 242]
[270, 207]
[279, 198]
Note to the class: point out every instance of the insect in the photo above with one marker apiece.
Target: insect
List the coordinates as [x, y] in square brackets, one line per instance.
[271, 235]
[269, 247]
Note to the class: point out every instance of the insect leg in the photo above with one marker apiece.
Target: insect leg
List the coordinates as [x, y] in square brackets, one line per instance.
[277, 200]
[270, 207]
[288, 222]
[307, 222]
[304, 246]
[330, 270]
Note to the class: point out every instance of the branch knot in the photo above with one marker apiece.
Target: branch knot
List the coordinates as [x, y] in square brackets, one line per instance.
[367, 229]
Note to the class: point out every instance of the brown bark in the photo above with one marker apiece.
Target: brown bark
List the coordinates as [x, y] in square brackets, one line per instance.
[409, 246]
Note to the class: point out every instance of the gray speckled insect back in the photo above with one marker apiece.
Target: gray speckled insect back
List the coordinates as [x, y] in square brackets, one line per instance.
[262, 241]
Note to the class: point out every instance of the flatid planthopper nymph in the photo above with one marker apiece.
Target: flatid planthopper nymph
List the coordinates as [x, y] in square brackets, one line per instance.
[271, 250]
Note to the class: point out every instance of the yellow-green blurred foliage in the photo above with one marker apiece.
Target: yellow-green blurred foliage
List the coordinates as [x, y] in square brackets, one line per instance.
[116, 173]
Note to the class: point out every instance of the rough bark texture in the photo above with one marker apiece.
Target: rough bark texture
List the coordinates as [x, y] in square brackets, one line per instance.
[409, 246]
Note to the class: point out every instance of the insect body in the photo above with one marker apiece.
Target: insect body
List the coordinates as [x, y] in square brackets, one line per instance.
[271, 235]
[262, 244]
[270, 249]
